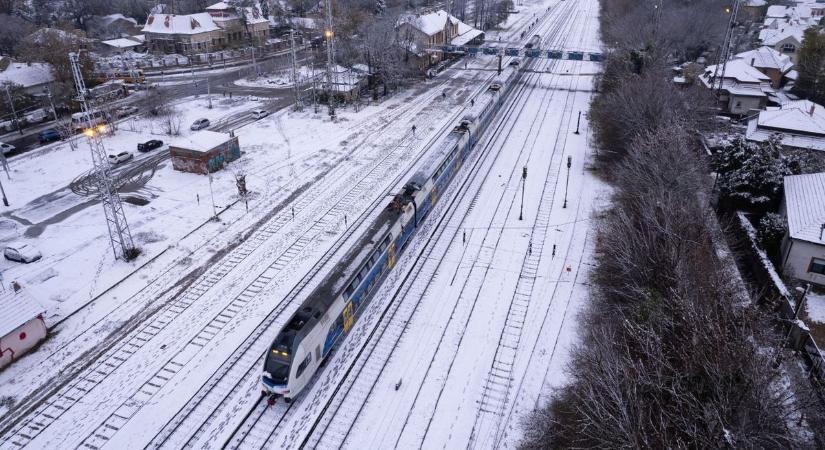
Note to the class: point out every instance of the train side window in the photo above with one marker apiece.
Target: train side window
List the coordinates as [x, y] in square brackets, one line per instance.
[358, 279]
[373, 259]
[349, 291]
[304, 364]
[365, 271]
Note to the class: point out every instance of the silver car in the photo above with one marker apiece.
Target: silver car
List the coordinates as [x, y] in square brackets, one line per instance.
[199, 124]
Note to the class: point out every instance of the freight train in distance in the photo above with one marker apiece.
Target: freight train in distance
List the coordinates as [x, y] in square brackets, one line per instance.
[333, 307]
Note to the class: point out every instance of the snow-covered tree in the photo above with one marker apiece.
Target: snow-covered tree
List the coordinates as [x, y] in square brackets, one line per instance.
[752, 173]
[265, 8]
[380, 7]
[772, 228]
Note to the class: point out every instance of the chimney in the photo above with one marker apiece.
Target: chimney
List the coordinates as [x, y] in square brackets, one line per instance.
[813, 107]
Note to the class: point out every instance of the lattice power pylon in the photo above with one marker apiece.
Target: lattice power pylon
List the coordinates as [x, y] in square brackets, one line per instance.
[330, 35]
[724, 54]
[119, 234]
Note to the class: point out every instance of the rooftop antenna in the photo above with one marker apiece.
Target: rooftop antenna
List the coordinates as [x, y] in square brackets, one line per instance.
[119, 235]
[328, 33]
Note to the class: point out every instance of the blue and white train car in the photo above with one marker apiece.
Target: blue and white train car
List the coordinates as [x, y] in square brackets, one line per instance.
[332, 308]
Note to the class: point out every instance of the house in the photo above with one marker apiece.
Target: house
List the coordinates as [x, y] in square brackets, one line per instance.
[204, 152]
[239, 25]
[421, 32]
[347, 84]
[21, 325]
[221, 26]
[111, 26]
[744, 89]
[185, 34]
[785, 39]
[803, 247]
[768, 61]
[800, 124]
[33, 77]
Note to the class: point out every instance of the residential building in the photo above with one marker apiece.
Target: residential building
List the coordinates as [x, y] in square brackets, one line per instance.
[422, 32]
[33, 77]
[803, 248]
[744, 89]
[221, 26]
[21, 325]
[799, 123]
[111, 27]
[785, 39]
[768, 61]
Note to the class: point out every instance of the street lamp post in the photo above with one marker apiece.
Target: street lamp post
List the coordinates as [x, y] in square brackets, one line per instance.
[523, 182]
[567, 183]
[578, 121]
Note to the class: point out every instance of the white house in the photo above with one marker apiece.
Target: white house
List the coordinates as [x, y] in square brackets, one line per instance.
[21, 325]
[784, 38]
[768, 61]
[744, 88]
[803, 248]
[33, 77]
[800, 124]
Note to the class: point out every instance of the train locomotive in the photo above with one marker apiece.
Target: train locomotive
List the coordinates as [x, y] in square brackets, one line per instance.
[332, 308]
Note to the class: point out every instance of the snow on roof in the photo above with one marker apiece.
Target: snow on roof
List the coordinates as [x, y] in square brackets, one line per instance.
[27, 75]
[466, 33]
[16, 309]
[772, 37]
[738, 70]
[218, 7]
[173, 24]
[805, 207]
[767, 58]
[431, 23]
[801, 116]
[756, 3]
[201, 141]
[139, 37]
[121, 43]
[108, 20]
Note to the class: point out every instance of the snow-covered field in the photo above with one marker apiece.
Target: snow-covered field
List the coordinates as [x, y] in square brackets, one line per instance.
[134, 342]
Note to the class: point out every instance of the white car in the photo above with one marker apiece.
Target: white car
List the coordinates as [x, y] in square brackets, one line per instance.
[120, 157]
[21, 252]
[7, 148]
[199, 124]
[124, 111]
[259, 114]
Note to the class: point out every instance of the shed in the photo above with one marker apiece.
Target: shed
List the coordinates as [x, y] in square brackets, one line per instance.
[21, 325]
[204, 151]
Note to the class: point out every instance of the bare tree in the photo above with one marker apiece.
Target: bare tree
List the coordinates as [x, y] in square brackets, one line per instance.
[171, 121]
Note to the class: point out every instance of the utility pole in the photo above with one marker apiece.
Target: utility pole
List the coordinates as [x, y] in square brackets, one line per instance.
[523, 182]
[295, 87]
[13, 111]
[5, 200]
[330, 35]
[51, 102]
[578, 121]
[209, 91]
[724, 53]
[119, 235]
[567, 183]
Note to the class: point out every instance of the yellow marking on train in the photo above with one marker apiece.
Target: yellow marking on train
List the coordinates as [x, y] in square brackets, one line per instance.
[391, 256]
[348, 317]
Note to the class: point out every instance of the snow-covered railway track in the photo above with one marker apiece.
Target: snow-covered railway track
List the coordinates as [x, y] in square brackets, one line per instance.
[333, 426]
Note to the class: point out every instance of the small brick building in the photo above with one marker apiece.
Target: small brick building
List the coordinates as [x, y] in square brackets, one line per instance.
[204, 151]
[21, 325]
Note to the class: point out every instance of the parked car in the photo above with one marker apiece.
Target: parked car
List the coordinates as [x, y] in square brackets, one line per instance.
[124, 111]
[149, 145]
[21, 252]
[7, 148]
[199, 124]
[259, 114]
[37, 116]
[49, 135]
[120, 157]
[515, 63]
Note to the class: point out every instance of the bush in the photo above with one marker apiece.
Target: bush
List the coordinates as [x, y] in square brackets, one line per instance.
[770, 232]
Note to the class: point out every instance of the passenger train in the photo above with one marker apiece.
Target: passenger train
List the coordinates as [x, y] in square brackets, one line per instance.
[332, 308]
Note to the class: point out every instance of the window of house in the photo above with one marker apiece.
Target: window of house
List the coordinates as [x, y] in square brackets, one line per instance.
[817, 266]
[788, 48]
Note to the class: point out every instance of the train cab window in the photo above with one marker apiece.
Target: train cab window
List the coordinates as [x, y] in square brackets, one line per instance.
[304, 364]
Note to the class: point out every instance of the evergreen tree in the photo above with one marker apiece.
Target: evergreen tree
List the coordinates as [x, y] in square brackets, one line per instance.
[811, 66]
[752, 173]
[265, 8]
[380, 7]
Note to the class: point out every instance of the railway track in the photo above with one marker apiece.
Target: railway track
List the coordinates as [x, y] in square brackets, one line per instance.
[377, 360]
[32, 422]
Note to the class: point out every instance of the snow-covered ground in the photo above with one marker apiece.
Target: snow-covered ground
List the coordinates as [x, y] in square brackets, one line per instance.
[815, 307]
[136, 341]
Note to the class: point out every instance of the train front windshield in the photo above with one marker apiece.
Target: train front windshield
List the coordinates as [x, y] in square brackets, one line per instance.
[277, 364]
